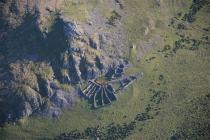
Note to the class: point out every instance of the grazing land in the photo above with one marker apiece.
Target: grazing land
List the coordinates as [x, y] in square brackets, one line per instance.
[167, 41]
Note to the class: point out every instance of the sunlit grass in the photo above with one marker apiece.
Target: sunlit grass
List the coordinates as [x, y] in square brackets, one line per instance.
[80, 10]
[186, 77]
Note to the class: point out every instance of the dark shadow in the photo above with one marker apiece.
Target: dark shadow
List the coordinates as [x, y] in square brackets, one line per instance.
[27, 42]
[56, 43]
[24, 41]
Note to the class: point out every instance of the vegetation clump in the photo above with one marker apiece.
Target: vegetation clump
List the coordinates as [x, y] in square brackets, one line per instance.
[195, 7]
[110, 132]
[115, 16]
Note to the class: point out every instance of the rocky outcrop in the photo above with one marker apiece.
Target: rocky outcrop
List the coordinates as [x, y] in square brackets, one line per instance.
[71, 30]
[119, 70]
[21, 72]
[60, 100]
[19, 103]
[94, 41]
[116, 71]
[39, 58]
[45, 88]
[25, 101]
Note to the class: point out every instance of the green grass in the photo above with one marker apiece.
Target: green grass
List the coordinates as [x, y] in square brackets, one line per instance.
[146, 14]
[79, 117]
[185, 81]
[81, 10]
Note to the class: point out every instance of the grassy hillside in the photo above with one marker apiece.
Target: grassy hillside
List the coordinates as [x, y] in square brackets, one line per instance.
[173, 95]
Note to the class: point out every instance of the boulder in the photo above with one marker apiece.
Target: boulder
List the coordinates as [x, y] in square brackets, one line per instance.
[44, 88]
[25, 109]
[60, 99]
[110, 72]
[94, 41]
[19, 103]
[72, 30]
[29, 95]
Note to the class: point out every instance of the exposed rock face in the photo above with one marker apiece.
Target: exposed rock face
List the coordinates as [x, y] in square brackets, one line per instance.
[45, 88]
[60, 99]
[25, 101]
[116, 71]
[20, 103]
[26, 109]
[22, 73]
[37, 58]
[94, 41]
[71, 30]
[80, 61]
[119, 70]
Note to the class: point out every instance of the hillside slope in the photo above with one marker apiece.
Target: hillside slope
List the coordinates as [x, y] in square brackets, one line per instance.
[49, 52]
